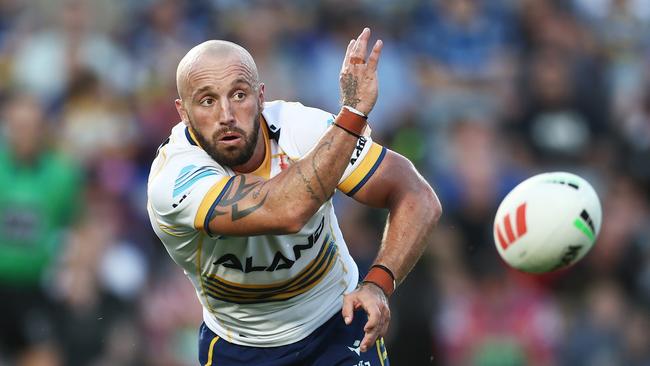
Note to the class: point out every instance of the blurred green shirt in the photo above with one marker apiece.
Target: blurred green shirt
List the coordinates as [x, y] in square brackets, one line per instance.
[37, 203]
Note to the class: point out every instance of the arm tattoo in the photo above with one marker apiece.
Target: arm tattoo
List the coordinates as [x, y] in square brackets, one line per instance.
[308, 186]
[258, 191]
[235, 193]
[325, 145]
[238, 190]
[349, 85]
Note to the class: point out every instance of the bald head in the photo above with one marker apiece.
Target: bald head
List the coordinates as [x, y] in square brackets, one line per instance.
[214, 50]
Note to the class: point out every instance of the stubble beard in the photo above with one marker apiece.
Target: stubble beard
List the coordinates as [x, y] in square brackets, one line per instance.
[230, 156]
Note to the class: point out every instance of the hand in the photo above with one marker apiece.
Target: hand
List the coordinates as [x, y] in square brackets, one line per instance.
[358, 79]
[372, 299]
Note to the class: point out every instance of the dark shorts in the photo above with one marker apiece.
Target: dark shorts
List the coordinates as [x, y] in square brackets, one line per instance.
[27, 317]
[332, 344]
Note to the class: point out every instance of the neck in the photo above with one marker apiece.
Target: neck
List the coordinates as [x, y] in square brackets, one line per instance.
[258, 155]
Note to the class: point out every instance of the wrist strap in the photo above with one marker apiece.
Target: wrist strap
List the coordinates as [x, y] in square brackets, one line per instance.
[355, 111]
[346, 130]
[351, 122]
[383, 277]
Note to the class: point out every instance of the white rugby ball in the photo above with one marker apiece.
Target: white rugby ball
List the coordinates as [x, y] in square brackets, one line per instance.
[547, 222]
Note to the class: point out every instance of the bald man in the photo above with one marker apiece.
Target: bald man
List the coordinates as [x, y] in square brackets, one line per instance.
[240, 195]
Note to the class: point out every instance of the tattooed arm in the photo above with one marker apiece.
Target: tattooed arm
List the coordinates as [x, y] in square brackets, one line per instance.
[251, 205]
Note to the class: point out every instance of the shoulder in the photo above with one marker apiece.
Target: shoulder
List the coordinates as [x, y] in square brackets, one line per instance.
[179, 169]
[288, 114]
[298, 126]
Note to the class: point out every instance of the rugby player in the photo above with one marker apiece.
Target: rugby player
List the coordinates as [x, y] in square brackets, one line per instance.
[240, 195]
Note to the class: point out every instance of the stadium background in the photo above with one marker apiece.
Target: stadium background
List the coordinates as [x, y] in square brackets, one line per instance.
[478, 94]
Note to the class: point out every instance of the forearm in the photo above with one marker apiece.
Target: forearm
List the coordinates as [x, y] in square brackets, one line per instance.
[409, 227]
[311, 181]
[251, 205]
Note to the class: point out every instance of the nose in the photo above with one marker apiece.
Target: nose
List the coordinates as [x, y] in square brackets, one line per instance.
[226, 116]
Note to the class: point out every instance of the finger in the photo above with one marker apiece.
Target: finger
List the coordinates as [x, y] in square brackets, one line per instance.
[348, 51]
[358, 55]
[385, 322]
[373, 59]
[368, 340]
[360, 36]
[384, 329]
[362, 47]
[356, 50]
[348, 55]
[372, 327]
[348, 309]
[374, 317]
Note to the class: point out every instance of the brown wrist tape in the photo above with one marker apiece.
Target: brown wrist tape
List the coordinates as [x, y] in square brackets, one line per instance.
[351, 122]
[382, 277]
[346, 130]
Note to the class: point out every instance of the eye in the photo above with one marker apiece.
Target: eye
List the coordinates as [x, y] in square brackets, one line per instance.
[206, 102]
[240, 95]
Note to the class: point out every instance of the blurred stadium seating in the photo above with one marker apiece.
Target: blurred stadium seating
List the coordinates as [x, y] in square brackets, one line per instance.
[479, 94]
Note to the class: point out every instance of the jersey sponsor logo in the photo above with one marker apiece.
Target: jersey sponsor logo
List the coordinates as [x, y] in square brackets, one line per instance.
[243, 293]
[174, 205]
[361, 143]
[190, 175]
[274, 132]
[280, 261]
[356, 347]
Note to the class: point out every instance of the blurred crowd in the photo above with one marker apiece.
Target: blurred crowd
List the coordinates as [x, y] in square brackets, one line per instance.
[479, 94]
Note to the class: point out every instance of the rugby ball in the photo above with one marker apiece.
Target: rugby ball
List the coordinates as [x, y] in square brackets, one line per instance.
[547, 222]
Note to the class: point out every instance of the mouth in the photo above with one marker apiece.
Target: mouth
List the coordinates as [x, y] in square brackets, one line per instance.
[230, 137]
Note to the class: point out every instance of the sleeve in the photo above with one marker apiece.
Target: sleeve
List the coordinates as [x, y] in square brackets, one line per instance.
[185, 198]
[309, 124]
[303, 126]
[365, 160]
[203, 210]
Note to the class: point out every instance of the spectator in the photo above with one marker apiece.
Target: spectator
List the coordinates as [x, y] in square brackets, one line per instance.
[46, 61]
[40, 194]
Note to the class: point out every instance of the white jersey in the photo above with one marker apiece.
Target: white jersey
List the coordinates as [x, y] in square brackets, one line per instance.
[266, 290]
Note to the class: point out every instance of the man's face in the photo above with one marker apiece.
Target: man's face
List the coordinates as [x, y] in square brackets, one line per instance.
[223, 109]
[24, 126]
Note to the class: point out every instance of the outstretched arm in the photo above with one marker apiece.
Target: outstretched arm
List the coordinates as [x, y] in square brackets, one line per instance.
[414, 210]
[251, 205]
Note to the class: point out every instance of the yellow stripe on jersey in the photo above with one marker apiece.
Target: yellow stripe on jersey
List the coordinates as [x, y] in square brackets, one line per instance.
[177, 231]
[211, 349]
[305, 280]
[264, 170]
[199, 271]
[173, 230]
[209, 201]
[192, 138]
[364, 170]
[381, 350]
[328, 245]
